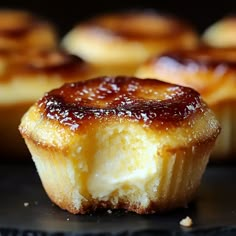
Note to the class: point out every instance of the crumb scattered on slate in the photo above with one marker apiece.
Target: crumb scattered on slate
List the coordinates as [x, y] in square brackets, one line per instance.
[186, 222]
[26, 204]
[67, 219]
[109, 211]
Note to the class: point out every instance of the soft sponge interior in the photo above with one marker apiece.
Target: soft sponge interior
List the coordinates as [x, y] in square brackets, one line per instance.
[124, 156]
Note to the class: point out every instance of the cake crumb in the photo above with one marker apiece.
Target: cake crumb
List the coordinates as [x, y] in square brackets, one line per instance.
[67, 219]
[186, 222]
[109, 211]
[26, 204]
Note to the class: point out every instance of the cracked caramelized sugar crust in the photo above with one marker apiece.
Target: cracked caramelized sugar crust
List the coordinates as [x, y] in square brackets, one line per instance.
[120, 142]
[24, 77]
[212, 72]
[124, 40]
[21, 30]
[102, 99]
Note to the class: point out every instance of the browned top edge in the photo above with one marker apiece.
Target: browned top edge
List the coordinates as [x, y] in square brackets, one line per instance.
[34, 62]
[205, 57]
[148, 101]
[126, 25]
[15, 24]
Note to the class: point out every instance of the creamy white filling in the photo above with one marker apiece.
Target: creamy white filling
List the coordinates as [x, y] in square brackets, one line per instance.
[124, 156]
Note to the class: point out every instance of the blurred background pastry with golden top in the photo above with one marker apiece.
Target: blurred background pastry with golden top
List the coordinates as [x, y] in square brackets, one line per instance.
[22, 30]
[222, 33]
[212, 72]
[120, 142]
[117, 43]
[24, 77]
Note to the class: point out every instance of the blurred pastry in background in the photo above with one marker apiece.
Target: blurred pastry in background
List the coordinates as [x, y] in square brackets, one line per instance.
[120, 142]
[118, 43]
[222, 33]
[212, 72]
[24, 77]
[22, 30]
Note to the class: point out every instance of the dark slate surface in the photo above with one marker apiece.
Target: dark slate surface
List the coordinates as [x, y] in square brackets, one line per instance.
[213, 212]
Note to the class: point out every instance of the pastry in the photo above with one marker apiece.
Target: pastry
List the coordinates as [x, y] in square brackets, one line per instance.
[24, 77]
[118, 43]
[22, 30]
[222, 33]
[212, 73]
[120, 142]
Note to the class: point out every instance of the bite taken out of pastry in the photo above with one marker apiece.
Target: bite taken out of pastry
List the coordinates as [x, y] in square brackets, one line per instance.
[211, 72]
[120, 142]
[117, 43]
[24, 77]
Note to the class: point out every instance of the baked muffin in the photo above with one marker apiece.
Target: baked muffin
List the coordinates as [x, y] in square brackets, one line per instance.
[22, 30]
[212, 73]
[120, 142]
[118, 43]
[222, 33]
[24, 77]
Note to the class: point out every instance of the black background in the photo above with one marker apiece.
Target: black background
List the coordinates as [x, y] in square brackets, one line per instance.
[67, 12]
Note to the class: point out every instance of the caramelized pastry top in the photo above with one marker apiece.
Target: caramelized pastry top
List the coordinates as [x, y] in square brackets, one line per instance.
[127, 39]
[16, 23]
[136, 25]
[211, 71]
[20, 30]
[41, 62]
[222, 33]
[204, 56]
[150, 102]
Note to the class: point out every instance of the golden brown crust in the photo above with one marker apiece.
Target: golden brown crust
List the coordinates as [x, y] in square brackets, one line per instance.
[189, 163]
[22, 71]
[22, 30]
[46, 62]
[128, 39]
[136, 26]
[16, 23]
[222, 33]
[150, 102]
[152, 208]
[210, 71]
[120, 142]
[24, 77]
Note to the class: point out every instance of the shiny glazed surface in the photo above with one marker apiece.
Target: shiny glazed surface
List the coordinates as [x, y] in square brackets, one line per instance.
[148, 101]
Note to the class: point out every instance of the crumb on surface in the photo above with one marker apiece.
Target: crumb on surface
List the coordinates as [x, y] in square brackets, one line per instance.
[109, 211]
[26, 204]
[186, 222]
[67, 219]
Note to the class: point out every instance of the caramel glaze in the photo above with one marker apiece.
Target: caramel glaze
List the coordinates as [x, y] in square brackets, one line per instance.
[202, 57]
[17, 24]
[42, 62]
[148, 101]
[147, 25]
[218, 64]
